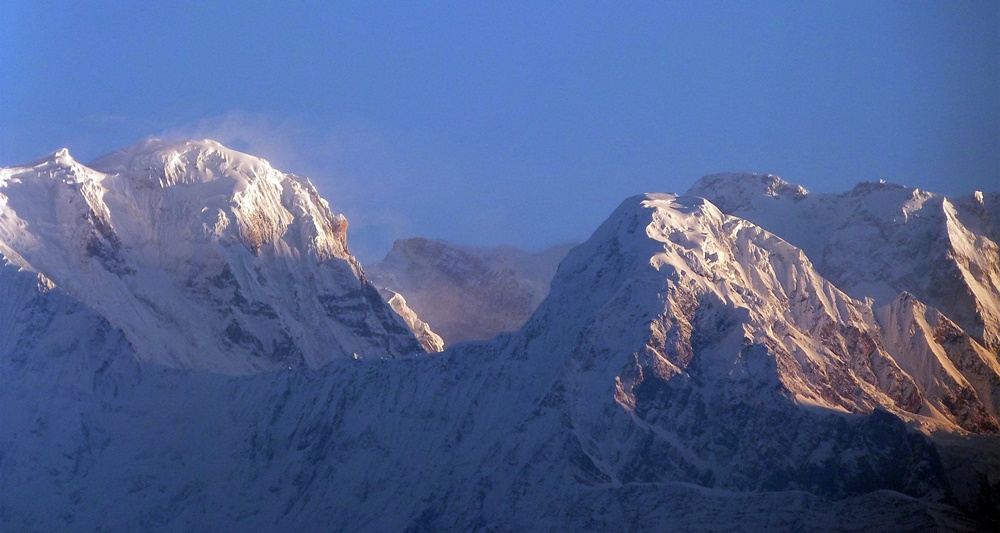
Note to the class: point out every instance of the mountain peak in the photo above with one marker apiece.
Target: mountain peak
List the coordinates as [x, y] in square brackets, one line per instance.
[60, 157]
[711, 290]
[216, 245]
[59, 164]
[731, 189]
[169, 163]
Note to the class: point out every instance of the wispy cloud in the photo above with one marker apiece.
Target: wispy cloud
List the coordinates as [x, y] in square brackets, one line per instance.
[282, 142]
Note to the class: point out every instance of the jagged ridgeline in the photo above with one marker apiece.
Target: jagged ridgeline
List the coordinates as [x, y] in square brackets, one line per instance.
[204, 257]
[748, 356]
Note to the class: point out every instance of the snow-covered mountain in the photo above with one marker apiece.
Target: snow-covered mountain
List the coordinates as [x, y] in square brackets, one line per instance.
[203, 256]
[880, 239]
[466, 293]
[688, 370]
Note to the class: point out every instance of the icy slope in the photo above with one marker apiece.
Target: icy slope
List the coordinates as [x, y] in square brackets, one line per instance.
[466, 293]
[881, 239]
[203, 256]
[735, 295]
[958, 378]
[688, 370]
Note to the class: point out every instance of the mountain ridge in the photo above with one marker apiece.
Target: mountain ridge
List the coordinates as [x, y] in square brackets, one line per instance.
[201, 255]
[688, 368]
[880, 239]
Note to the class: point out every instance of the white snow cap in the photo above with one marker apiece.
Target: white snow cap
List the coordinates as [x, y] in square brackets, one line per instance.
[205, 257]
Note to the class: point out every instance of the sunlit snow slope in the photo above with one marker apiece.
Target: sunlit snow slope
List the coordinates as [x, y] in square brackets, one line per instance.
[203, 256]
[880, 239]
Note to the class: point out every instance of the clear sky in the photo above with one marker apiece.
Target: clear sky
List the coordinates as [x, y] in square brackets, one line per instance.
[509, 122]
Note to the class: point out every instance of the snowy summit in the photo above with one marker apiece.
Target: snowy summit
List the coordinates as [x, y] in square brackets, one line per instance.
[203, 256]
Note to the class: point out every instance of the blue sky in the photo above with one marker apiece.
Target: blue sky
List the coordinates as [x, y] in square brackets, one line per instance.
[509, 122]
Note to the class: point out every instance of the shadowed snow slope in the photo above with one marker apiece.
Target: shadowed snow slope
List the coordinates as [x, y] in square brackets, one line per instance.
[688, 370]
[203, 256]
